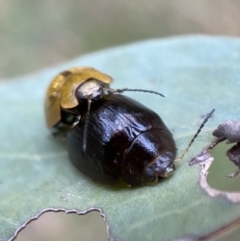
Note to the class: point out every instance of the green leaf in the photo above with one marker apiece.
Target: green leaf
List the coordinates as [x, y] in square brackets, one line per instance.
[195, 73]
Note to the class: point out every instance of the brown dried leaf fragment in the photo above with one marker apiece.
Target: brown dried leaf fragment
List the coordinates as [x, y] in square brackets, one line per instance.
[229, 130]
[205, 156]
[233, 155]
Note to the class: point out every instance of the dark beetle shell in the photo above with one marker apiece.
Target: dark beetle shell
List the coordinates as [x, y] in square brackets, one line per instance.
[125, 140]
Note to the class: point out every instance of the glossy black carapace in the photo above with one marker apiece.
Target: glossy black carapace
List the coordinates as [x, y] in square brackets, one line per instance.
[125, 140]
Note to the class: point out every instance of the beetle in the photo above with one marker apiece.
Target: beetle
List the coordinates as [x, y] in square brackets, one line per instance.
[126, 141]
[113, 137]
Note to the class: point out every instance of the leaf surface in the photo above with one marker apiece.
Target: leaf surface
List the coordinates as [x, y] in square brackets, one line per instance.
[195, 73]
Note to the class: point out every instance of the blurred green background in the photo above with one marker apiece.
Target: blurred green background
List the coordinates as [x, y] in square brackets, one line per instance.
[39, 34]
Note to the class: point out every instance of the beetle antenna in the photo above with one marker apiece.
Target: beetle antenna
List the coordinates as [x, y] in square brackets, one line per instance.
[139, 90]
[84, 147]
[196, 134]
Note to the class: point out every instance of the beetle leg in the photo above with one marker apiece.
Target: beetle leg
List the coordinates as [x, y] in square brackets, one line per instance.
[77, 120]
[154, 182]
[60, 131]
[232, 175]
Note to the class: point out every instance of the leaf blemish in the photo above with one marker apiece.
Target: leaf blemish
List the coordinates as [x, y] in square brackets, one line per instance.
[230, 131]
[226, 131]
[67, 211]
